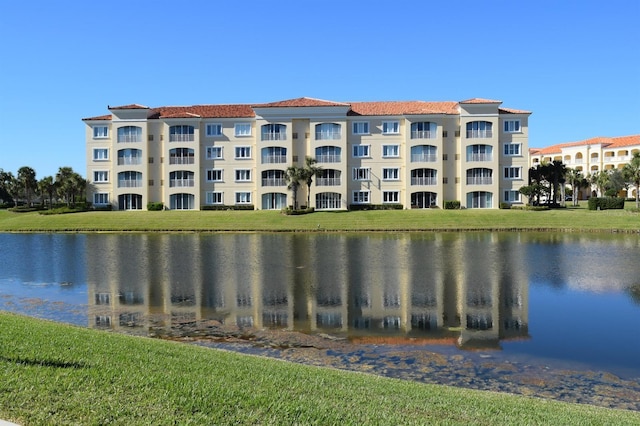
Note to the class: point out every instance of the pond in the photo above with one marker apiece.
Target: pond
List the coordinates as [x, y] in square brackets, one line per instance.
[562, 300]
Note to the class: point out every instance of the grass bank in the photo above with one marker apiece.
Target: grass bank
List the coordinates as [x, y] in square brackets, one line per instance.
[570, 219]
[58, 374]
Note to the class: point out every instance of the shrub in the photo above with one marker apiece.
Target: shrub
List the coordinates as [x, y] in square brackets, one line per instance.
[155, 206]
[505, 206]
[223, 207]
[452, 205]
[356, 207]
[605, 203]
[291, 212]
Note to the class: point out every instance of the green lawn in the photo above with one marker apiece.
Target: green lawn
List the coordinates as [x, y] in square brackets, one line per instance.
[570, 219]
[58, 374]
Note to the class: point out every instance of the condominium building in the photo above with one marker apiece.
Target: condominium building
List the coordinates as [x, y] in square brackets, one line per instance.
[590, 156]
[415, 154]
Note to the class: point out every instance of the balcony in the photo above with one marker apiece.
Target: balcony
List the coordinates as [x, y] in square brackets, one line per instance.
[129, 183]
[181, 183]
[480, 157]
[328, 136]
[473, 134]
[622, 159]
[181, 160]
[423, 134]
[329, 158]
[129, 138]
[424, 181]
[328, 181]
[176, 137]
[129, 161]
[423, 158]
[274, 136]
[274, 182]
[274, 159]
[480, 180]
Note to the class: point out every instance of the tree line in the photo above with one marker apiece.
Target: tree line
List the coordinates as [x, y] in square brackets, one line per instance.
[549, 181]
[25, 189]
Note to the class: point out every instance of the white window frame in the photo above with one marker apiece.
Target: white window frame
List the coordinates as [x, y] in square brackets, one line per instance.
[512, 126]
[242, 129]
[242, 152]
[361, 173]
[242, 175]
[391, 173]
[361, 197]
[98, 174]
[512, 192]
[100, 132]
[214, 197]
[360, 128]
[361, 151]
[243, 197]
[97, 195]
[215, 175]
[510, 148]
[512, 173]
[98, 157]
[387, 148]
[390, 197]
[214, 129]
[391, 127]
[212, 150]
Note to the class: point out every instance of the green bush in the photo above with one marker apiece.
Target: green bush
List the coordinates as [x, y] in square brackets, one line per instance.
[155, 206]
[605, 203]
[452, 205]
[223, 207]
[291, 212]
[505, 206]
[356, 207]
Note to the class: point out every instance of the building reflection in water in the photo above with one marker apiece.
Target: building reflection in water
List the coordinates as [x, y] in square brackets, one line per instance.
[468, 290]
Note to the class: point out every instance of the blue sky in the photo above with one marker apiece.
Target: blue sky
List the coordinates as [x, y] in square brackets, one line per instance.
[574, 64]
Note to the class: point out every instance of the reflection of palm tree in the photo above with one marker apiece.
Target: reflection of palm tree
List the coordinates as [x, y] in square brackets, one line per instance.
[631, 173]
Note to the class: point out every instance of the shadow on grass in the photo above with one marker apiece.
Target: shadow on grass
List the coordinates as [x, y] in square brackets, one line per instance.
[43, 363]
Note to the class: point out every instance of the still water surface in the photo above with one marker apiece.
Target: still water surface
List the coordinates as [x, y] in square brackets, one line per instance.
[568, 300]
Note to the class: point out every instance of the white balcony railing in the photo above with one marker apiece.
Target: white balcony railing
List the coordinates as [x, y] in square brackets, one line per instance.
[328, 135]
[129, 183]
[129, 161]
[479, 180]
[274, 182]
[423, 134]
[423, 158]
[181, 160]
[177, 137]
[480, 157]
[273, 159]
[479, 134]
[329, 158]
[328, 181]
[129, 138]
[423, 181]
[274, 136]
[181, 183]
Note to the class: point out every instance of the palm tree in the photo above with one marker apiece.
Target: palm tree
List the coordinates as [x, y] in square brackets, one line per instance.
[600, 179]
[310, 170]
[6, 186]
[576, 180]
[70, 183]
[293, 176]
[47, 186]
[557, 171]
[631, 173]
[27, 182]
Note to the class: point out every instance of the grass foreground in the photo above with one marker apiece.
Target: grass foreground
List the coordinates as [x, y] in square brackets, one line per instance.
[563, 220]
[54, 373]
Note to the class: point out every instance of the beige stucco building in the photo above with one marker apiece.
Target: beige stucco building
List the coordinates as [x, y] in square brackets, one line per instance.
[416, 154]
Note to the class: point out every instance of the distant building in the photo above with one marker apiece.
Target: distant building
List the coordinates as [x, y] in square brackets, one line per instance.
[590, 156]
[416, 154]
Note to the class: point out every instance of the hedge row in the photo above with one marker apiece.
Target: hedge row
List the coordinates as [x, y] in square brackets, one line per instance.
[605, 203]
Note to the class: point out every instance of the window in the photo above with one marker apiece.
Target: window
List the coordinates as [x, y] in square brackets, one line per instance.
[214, 153]
[130, 156]
[360, 128]
[100, 154]
[181, 156]
[423, 153]
[512, 126]
[390, 151]
[181, 133]
[214, 175]
[274, 132]
[361, 150]
[130, 134]
[513, 172]
[361, 197]
[479, 153]
[512, 196]
[243, 198]
[101, 198]
[328, 154]
[243, 175]
[214, 129]
[390, 196]
[274, 154]
[329, 131]
[243, 152]
[423, 130]
[390, 174]
[181, 179]
[213, 197]
[100, 132]
[479, 129]
[361, 173]
[243, 129]
[390, 127]
[100, 176]
[512, 149]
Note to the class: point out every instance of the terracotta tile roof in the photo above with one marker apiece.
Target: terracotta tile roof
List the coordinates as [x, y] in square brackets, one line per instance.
[204, 111]
[480, 101]
[402, 108]
[100, 117]
[512, 111]
[130, 106]
[604, 141]
[301, 102]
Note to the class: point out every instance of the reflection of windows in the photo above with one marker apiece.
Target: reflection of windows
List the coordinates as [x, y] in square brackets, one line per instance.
[129, 319]
[423, 322]
[244, 321]
[479, 322]
[103, 321]
[513, 324]
[244, 300]
[478, 297]
[329, 319]
[362, 323]
[391, 300]
[391, 323]
[363, 301]
[103, 298]
[279, 319]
